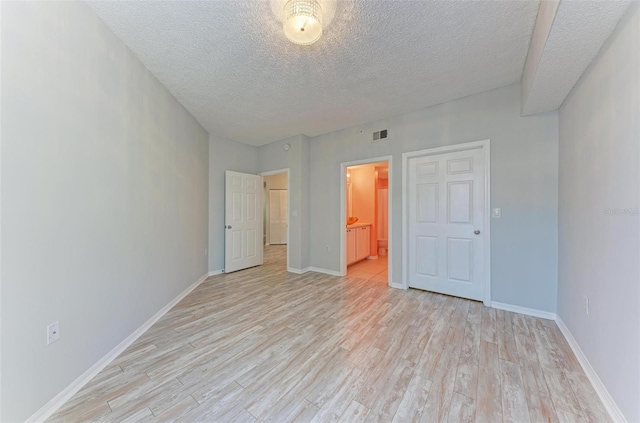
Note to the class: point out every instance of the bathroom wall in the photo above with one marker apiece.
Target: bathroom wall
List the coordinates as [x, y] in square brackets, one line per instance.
[363, 192]
[383, 177]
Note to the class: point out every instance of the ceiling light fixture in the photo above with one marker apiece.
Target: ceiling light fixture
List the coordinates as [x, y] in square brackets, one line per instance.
[302, 21]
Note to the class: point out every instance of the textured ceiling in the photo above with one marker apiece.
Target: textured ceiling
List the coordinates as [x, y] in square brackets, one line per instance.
[579, 30]
[232, 68]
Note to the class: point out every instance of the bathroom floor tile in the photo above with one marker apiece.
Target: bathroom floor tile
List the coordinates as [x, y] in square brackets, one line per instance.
[371, 270]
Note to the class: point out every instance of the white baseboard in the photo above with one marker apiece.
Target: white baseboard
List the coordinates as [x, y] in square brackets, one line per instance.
[524, 310]
[611, 406]
[215, 272]
[65, 395]
[397, 286]
[297, 271]
[372, 258]
[325, 271]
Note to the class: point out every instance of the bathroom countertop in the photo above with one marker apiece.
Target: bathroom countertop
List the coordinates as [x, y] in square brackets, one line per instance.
[358, 225]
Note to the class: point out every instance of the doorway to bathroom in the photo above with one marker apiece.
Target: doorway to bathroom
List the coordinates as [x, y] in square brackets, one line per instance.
[365, 216]
[276, 219]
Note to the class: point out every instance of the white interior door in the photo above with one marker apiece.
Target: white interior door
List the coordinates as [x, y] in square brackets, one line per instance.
[243, 221]
[278, 216]
[446, 206]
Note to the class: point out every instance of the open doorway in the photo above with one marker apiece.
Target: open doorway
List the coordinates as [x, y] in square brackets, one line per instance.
[276, 219]
[366, 215]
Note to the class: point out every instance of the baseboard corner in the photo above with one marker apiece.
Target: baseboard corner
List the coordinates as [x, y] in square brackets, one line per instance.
[325, 271]
[607, 400]
[524, 310]
[297, 271]
[214, 273]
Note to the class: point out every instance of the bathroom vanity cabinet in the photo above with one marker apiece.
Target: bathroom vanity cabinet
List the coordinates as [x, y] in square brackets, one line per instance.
[358, 242]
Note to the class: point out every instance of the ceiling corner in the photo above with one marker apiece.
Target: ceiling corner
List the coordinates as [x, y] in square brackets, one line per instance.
[567, 37]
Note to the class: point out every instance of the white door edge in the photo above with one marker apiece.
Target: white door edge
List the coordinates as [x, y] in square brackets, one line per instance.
[277, 172]
[343, 215]
[485, 145]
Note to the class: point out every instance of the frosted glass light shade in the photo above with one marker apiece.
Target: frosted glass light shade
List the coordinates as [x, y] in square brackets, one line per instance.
[302, 21]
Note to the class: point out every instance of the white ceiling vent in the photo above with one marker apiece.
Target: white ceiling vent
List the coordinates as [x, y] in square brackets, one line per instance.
[380, 135]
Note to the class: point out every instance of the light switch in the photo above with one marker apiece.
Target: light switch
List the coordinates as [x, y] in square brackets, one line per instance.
[497, 213]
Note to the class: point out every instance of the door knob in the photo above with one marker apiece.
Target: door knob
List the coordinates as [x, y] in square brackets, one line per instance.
[477, 232]
[229, 227]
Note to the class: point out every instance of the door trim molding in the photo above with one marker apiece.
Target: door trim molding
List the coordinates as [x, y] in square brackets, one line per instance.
[277, 172]
[343, 215]
[484, 145]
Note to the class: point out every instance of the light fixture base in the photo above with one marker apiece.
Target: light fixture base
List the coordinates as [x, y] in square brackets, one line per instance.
[302, 21]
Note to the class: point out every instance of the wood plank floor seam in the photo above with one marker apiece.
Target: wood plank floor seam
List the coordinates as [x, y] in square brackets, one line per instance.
[270, 346]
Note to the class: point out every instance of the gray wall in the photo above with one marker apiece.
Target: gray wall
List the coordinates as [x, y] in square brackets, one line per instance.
[598, 252]
[273, 157]
[524, 170]
[224, 155]
[0, 213]
[104, 186]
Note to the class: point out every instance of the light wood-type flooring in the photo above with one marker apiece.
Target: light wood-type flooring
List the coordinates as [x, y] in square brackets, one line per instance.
[371, 270]
[266, 345]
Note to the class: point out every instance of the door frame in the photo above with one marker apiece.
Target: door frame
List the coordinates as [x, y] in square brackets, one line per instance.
[343, 215]
[484, 145]
[277, 172]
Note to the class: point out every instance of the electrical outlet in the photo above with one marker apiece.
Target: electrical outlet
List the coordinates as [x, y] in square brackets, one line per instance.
[53, 332]
[586, 305]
